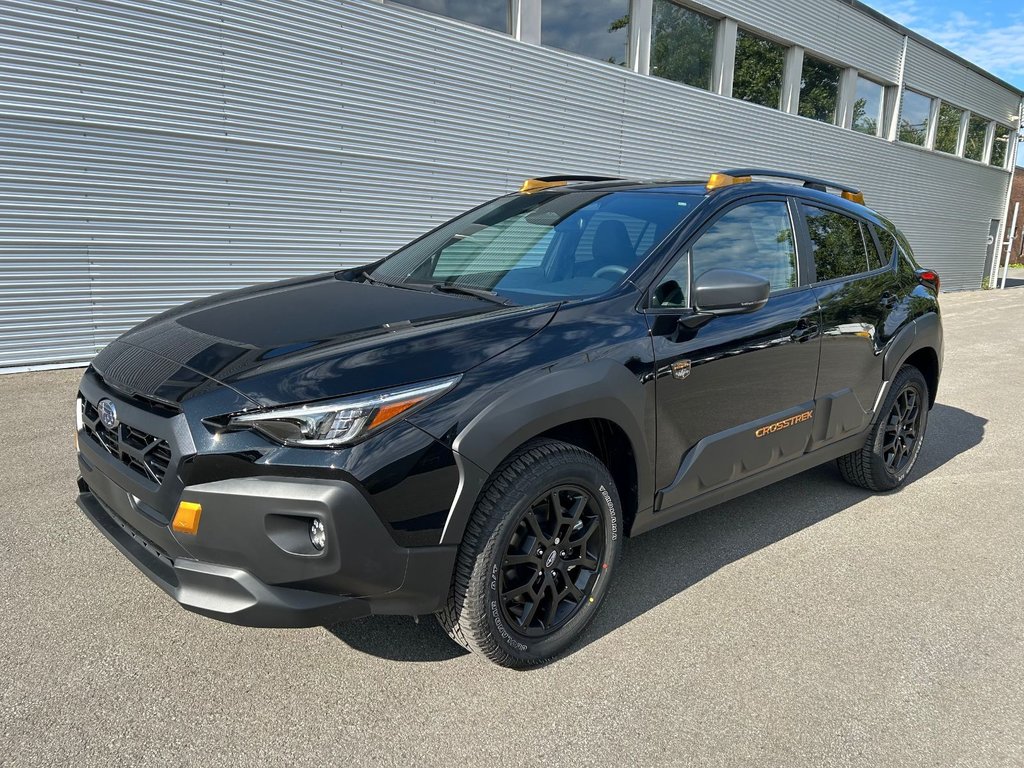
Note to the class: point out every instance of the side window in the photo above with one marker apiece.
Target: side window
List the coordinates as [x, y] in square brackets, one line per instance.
[757, 238]
[875, 260]
[674, 289]
[840, 244]
[885, 237]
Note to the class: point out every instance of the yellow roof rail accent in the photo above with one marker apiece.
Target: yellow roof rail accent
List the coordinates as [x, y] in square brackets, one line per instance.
[743, 175]
[532, 185]
[720, 180]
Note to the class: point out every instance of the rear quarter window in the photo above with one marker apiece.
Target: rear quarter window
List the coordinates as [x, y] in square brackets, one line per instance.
[888, 242]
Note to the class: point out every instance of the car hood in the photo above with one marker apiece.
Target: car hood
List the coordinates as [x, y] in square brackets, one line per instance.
[310, 339]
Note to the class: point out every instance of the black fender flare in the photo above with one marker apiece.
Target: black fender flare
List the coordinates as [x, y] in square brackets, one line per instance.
[922, 332]
[602, 389]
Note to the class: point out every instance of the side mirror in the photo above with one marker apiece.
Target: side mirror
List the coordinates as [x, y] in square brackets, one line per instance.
[729, 292]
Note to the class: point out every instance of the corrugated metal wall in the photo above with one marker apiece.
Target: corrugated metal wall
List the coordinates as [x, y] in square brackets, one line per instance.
[160, 150]
[937, 75]
[829, 28]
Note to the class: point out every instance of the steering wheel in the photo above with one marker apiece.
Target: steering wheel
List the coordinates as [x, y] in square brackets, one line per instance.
[611, 271]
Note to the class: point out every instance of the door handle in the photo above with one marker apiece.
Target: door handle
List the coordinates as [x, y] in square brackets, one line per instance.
[888, 299]
[804, 331]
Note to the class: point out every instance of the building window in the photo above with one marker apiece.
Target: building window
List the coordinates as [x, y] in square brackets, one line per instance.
[682, 44]
[977, 132]
[869, 107]
[492, 14]
[819, 90]
[759, 69]
[595, 28]
[1001, 146]
[915, 116]
[947, 130]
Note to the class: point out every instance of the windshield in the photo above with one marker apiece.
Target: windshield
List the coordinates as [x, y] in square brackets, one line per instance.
[545, 246]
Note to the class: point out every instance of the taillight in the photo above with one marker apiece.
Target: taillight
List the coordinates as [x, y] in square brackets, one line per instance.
[928, 277]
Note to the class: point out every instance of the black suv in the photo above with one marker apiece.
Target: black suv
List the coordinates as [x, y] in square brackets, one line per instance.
[470, 426]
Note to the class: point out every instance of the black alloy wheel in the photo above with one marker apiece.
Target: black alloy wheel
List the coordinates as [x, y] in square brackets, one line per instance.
[552, 560]
[902, 429]
[894, 440]
[537, 556]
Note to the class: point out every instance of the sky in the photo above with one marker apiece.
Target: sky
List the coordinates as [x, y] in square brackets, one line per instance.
[986, 32]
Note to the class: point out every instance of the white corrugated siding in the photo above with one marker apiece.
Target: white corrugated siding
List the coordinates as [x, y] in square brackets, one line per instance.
[825, 27]
[160, 150]
[938, 75]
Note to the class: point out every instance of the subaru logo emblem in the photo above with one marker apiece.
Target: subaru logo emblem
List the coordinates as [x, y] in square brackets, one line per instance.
[108, 414]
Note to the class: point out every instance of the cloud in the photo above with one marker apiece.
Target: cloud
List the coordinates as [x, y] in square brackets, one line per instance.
[905, 12]
[997, 49]
[990, 40]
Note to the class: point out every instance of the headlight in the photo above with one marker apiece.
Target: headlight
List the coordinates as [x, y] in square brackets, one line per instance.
[339, 422]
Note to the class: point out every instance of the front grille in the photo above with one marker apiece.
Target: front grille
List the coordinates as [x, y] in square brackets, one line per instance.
[147, 455]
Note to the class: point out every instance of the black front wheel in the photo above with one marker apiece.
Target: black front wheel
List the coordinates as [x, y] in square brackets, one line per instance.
[537, 556]
[894, 442]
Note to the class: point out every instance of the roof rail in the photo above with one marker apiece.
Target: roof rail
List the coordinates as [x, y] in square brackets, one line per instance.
[546, 182]
[741, 175]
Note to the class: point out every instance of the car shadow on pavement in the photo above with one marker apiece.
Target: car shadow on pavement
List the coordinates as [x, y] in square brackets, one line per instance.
[398, 638]
[664, 563]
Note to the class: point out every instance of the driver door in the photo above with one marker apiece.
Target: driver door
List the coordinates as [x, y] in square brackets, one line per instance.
[734, 394]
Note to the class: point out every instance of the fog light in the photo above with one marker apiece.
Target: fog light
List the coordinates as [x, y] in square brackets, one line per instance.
[318, 534]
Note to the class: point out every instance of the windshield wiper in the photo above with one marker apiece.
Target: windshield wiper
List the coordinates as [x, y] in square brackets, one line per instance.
[479, 293]
[376, 281]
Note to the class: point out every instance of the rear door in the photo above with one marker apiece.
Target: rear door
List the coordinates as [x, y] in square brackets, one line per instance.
[735, 395]
[858, 292]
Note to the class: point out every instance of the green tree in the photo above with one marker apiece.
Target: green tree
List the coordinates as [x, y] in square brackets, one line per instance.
[913, 133]
[758, 73]
[861, 121]
[974, 147]
[682, 44]
[947, 131]
[819, 90]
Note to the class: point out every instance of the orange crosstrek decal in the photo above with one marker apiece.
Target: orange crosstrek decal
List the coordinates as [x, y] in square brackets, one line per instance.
[784, 424]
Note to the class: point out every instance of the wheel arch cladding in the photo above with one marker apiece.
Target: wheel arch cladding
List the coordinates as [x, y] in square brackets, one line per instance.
[926, 360]
[613, 448]
[594, 406]
[918, 344]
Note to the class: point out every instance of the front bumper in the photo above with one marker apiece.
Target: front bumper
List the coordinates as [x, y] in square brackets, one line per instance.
[229, 594]
[251, 562]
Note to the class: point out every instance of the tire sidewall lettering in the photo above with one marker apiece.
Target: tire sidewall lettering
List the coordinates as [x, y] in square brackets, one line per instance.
[612, 517]
[521, 644]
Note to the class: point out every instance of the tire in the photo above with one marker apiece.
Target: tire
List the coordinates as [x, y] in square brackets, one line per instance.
[520, 552]
[894, 440]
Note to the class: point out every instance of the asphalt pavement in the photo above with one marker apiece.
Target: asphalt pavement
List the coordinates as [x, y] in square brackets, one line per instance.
[807, 624]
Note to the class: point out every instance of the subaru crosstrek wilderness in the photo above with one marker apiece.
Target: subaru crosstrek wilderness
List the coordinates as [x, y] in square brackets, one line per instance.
[470, 426]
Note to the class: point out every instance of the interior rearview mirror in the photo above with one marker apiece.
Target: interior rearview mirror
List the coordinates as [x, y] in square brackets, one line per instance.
[729, 292]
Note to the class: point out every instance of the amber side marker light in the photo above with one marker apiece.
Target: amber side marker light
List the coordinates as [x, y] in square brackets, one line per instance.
[186, 519]
[388, 412]
[722, 180]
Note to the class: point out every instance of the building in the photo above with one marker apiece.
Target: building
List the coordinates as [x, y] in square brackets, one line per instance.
[157, 152]
[1016, 197]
